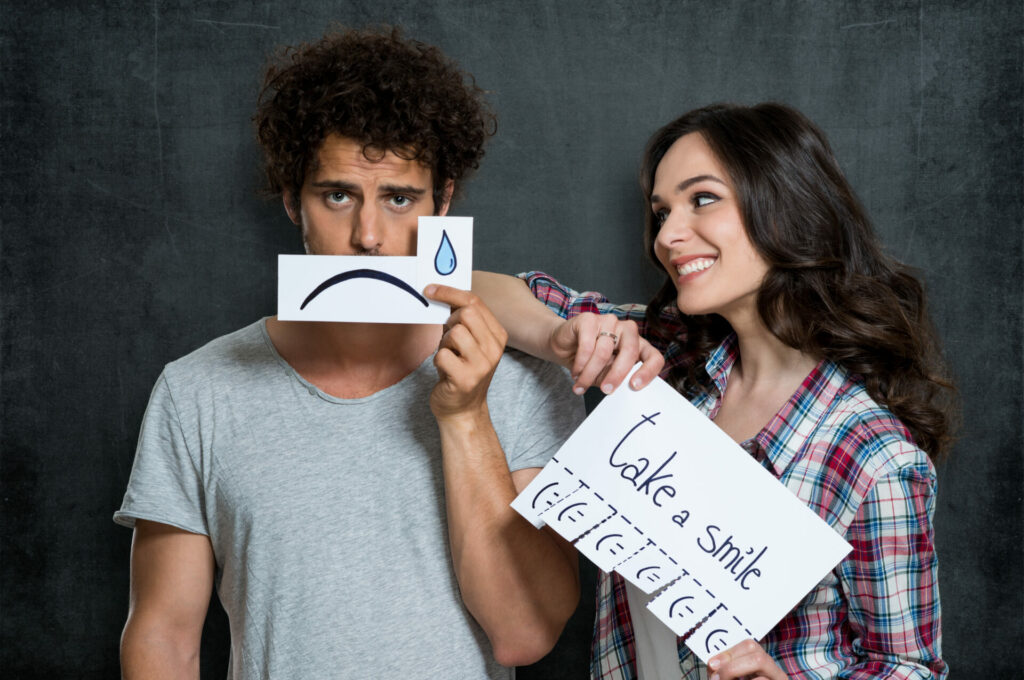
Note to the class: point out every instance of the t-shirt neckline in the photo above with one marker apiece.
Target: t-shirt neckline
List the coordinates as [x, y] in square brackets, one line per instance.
[330, 398]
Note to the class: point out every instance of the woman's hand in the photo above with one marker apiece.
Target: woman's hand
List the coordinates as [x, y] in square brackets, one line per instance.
[745, 661]
[600, 349]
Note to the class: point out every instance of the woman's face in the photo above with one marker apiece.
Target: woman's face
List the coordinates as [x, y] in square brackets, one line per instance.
[702, 243]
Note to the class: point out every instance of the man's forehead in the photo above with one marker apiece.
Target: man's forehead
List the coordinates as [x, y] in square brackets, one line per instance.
[338, 153]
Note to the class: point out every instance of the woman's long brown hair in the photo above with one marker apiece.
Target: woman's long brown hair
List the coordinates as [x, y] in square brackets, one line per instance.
[831, 291]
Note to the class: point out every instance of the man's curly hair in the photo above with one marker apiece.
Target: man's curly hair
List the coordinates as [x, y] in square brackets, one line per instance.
[388, 92]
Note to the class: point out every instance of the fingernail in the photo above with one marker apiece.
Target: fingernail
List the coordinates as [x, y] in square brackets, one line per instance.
[578, 390]
[714, 664]
[429, 290]
[607, 388]
[635, 383]
[714, 677]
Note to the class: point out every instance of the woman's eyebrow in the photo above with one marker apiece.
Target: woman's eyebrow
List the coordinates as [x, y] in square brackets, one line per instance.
[687, 183]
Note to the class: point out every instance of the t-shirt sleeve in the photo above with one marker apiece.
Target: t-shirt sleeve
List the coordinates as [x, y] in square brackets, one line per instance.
[545, 412]
[166, 483]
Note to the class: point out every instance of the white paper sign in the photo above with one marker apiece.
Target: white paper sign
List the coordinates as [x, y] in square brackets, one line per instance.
[379, 289]
[649, 487]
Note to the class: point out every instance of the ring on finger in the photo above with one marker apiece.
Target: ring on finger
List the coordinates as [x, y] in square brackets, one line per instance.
[613, 336]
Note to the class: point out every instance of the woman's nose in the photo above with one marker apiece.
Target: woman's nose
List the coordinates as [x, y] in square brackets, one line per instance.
[674, 229]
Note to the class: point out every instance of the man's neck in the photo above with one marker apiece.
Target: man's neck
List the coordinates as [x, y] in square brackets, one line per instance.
[351, 360]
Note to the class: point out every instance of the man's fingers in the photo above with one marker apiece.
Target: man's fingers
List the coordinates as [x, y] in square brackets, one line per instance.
[455, 297]
[468, 309]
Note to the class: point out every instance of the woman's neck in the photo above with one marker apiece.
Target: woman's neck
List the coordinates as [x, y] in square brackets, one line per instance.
[763, 357]
[766, 374]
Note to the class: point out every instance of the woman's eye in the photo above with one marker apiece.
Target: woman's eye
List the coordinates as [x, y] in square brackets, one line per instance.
[702, 199]
[660, 216]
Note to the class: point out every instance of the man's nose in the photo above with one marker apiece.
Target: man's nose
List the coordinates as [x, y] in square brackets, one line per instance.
[366, 232]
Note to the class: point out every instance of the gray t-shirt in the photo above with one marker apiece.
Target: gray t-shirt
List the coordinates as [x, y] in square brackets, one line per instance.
[327, 515]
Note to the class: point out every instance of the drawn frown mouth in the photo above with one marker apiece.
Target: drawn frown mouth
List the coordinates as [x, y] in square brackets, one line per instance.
[364, 274]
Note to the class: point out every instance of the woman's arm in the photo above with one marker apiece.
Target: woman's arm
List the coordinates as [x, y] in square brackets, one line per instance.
[529, 322]
[598, 349]
[891, 580]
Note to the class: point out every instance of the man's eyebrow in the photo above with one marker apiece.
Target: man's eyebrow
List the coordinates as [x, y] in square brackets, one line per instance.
[354, 188]
[334, 184]
[687, 183]
[404, 189]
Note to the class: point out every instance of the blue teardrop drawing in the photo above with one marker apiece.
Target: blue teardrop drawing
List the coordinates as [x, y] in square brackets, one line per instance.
[444, 260]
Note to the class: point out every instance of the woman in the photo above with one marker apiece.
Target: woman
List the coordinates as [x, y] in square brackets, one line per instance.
[783, 320]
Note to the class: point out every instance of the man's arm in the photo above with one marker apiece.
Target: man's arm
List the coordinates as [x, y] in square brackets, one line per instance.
[519, 583]
[171, 582]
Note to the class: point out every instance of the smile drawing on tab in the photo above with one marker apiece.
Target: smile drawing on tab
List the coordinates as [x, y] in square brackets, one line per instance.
[654, 576]
[714, 646]
[555, 496]
[616, 548]
[680, 602]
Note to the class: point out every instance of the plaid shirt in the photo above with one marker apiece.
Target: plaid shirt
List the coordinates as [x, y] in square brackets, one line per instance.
[876, 615]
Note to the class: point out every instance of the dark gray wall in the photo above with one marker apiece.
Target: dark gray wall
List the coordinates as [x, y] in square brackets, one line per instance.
[131, 234]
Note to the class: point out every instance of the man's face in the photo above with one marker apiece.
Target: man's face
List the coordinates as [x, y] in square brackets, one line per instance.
[352, 205]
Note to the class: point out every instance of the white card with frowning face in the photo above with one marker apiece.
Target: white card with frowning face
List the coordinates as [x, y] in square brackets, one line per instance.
[379, 289]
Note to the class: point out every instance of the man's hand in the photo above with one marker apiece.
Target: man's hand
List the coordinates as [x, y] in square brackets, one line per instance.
[600, 349]
[470, 350]
[520, 584]
[746, 660]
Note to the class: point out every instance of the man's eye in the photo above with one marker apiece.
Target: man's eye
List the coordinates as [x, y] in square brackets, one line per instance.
[400, 201]
[337, 197]
[702, 199]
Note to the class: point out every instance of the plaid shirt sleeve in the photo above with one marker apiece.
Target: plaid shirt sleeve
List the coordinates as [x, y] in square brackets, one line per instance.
[891, 579]
[878, 614]
[568, 303]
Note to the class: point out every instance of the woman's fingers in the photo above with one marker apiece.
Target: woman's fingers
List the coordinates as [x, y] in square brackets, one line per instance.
[607, 349]
[745, 660]
[598, 335]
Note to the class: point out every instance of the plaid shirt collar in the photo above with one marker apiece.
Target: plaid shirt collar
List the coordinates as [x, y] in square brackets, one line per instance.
[781, 439]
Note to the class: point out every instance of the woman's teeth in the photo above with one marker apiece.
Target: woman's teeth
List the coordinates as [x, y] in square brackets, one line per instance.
[697, 265]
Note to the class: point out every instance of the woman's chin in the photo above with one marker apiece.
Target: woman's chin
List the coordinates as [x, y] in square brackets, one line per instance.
[692, 308]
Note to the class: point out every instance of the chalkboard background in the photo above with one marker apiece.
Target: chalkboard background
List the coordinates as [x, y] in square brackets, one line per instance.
[132, 233]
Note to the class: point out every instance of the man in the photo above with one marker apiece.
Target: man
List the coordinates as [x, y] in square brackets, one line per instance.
[341, 484]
